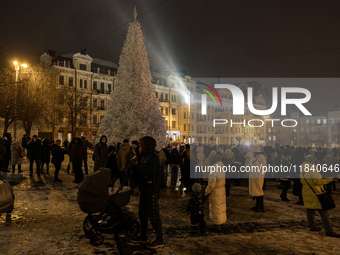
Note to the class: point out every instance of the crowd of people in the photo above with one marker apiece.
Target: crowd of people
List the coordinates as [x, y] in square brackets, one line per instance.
[139, 164]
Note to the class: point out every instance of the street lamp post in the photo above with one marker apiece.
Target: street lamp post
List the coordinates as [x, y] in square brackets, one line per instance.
[17, 69]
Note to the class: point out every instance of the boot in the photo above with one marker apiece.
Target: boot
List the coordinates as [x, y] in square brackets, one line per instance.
[259, 204]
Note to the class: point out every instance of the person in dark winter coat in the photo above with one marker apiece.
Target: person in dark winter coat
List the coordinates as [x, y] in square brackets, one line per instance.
[285, 182]
[297, 161]
[34, 148]
[57, 158]
[175, 160]
[185, 170]
[65, 143]
[3, 153]
[101, 153]
[8, 142]
[149, 185]
[89, 145]
[45, 155]
[196, 208]
[112, 162]
[24, 142]
[78, 154]
[69, 148]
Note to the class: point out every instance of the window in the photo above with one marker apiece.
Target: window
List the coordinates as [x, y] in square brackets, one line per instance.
[156, 94]
[82, 67]
[185, 115]
[166, 97]
[104, 71]
[162, 109]
[166, 111]
[83, 102]
[318, 121]
[61, 80]
[274, 138]
[109, 87]
[82, 119]
[102, 104]
[324, 121]
[81, 83]
[85, 84]
[185, 129]
[61, 63]
[162, 96]
[173, 111]
[307, 121]
[269, 138]
[332, 121]
[70, 81]
[95, 102]
[94, 119]
[95, 85]
[101, 117]
[102, 87]
[174, 124]
[269, 130]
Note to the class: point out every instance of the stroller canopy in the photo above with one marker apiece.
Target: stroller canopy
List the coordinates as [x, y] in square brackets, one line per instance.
[93, 191]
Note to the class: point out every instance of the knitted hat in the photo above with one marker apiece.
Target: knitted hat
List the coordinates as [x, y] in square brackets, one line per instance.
[149, 143]
[196, 187]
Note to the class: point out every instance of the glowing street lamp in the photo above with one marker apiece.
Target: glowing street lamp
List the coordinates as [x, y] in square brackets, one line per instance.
[17, 69]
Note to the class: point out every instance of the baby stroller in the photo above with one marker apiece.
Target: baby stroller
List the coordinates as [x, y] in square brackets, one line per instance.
[105, 214]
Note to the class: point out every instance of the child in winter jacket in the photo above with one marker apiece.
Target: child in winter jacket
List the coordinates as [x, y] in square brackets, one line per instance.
[196, 208]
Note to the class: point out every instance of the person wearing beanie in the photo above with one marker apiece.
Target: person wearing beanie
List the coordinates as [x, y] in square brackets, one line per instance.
[195, 208]
[149, 179]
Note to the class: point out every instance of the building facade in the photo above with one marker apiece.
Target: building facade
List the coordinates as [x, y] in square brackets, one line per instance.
[94, 80]
[319, 130]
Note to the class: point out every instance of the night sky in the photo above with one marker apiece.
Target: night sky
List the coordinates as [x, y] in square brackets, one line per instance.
[203, 38]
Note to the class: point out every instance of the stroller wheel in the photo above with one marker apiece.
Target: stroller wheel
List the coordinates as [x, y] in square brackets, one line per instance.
[132, 229]
[96, 239]
[87, 225]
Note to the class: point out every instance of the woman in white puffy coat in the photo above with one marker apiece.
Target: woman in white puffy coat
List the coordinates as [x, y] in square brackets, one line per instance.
[217, 195]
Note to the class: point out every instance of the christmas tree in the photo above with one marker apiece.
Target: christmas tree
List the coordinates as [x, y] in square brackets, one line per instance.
[133, 110]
